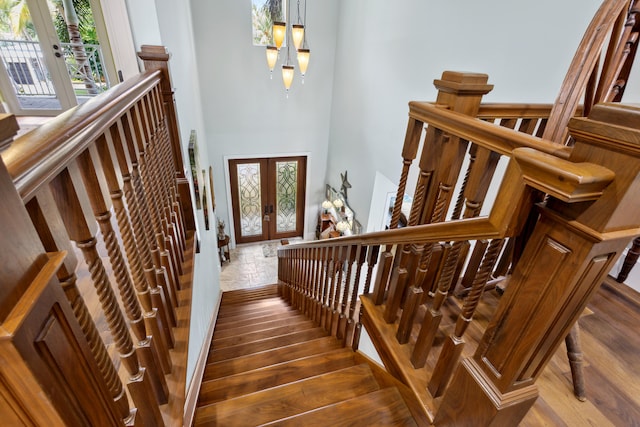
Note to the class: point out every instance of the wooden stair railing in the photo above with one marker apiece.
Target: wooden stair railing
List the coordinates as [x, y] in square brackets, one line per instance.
[320, 278]
[117, 153]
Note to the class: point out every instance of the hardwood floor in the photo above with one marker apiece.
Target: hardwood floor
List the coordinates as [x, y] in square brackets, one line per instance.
[611, 346]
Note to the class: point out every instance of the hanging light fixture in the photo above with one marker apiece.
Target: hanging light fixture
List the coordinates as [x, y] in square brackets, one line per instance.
[279, 32]
[297, 30]
[287, 68]
[304, 53]
[296, 35]
[272, 58]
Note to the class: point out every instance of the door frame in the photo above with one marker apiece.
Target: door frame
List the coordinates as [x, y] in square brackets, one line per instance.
[227, 179]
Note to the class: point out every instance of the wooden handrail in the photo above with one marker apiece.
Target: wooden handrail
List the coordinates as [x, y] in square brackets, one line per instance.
[496, 138]
[41, 154]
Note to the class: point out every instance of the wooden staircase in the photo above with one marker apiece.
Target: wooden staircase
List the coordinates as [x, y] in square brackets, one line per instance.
[270, 365]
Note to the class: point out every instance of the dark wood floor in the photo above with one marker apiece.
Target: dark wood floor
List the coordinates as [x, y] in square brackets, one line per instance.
[611, 346]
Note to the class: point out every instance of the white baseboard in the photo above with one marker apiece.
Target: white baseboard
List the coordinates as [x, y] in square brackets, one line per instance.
[191, 399]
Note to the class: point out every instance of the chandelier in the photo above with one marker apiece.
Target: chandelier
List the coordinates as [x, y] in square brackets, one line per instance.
[296, 35]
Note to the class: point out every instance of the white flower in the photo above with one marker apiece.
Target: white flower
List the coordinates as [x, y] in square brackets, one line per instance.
[327, 204]
[342, 226]
[337, 203]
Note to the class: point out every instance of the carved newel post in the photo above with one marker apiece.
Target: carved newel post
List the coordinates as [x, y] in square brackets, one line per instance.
[572, 248]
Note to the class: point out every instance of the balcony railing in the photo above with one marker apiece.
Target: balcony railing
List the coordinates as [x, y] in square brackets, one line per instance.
[28, 72]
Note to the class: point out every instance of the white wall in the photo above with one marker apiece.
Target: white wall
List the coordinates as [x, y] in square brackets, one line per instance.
[388, 53]
[246, 113]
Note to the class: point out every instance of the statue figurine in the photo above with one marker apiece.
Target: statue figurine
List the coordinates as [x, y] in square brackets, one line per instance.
[345, 184]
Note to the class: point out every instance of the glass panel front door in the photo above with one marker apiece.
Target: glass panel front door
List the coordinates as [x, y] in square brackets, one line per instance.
[267, 198]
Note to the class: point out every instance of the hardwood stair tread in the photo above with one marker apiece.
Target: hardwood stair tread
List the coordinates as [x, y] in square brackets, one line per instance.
[290, 399]
[258, 312]
[244, 320]
[217, 355]
[273, 329]
[274, 375]
[268, 357]
[382, 408]
[250, 293]
[258, 324]
[249, 307]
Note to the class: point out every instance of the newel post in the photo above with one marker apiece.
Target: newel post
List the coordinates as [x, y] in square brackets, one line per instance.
[157, 58]
[572, 248]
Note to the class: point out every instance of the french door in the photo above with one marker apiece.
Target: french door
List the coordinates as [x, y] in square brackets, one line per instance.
[267, 197]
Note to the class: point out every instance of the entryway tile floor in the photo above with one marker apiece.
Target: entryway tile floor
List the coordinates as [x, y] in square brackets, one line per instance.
[251, 265]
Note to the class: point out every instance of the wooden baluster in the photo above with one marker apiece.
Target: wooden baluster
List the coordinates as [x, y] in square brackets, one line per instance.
[150, 339]
[473, 266]
[157, 58]
[397, 285]
[67, 195]
[414, 299]
[361, 257]
[152, 185]
[372, 257]
[322, 284]
[161, 167]
[629, 261]
[433, 315]
[134, 196]
[454, 344]
[353, 254]
[382, 277]
[339, 283]
[53, 235]
[101, 211]
[310, 281]
[305, 280]
[315, 296]
[336, 252]
[150, 221]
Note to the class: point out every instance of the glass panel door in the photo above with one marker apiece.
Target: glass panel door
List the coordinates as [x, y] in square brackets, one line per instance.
[33, 74]
[267, 198]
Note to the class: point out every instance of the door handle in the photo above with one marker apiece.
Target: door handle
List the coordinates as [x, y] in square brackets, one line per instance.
[270, 209]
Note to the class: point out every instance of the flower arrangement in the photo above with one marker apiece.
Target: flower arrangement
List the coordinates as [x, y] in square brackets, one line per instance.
[326, 205]
[338, 203]
[342, 226]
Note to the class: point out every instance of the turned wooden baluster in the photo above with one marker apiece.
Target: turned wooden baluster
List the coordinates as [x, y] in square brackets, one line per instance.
[353, 255]
[139, 219]
[148, 216]
[433, 315]
[159, 145]
[317, 274]
[149, 336]
[151, 184]
[454, 344]
[372, 257]
[168, 164]
[68, 195]
[361, 256]
[157, 58]
[322, 284]
[101, 210]
[345, 253]
[176, 213]
[336, 252]
[308, 292]
[153, 143]
[51, 229]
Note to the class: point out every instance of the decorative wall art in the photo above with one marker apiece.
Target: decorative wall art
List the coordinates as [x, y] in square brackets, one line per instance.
[205, 205]
[213, 194]
[194, 162]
